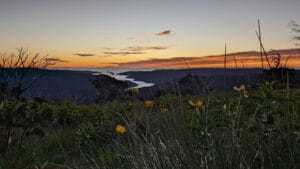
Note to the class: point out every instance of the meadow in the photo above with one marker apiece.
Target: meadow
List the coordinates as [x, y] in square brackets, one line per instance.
[257, 128]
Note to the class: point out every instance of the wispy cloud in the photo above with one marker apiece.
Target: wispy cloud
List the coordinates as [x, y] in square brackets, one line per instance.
[156, 48]
[164, 33]
[134, 50]
[123, 53]
[107, 48]
[84, 54]
[141, 37]
[55, 60]
[143, 48]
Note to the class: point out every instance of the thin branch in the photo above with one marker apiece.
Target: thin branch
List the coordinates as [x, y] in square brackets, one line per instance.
[15, 67]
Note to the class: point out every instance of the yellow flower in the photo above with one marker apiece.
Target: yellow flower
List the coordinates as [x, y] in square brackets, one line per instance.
[245, 94]
[149, 104]
[120, 129]
[198, 104]
[163, 110]
[192, 103]
[88, 126]
[241, 89]
[225, 107]
[135, 91]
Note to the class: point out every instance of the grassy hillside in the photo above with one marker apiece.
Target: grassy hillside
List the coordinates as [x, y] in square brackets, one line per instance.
[247, 129]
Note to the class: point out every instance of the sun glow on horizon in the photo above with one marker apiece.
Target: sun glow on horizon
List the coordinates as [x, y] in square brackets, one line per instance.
[142, 33]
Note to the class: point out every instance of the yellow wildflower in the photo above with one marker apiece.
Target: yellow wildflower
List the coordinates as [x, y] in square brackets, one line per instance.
[149, 104]
[120, 129]
[192, 103]
[224, 107]
[198, 104]
[88, 126]
[245, 94]
[135, 91]
[241, 89]
[163, 110]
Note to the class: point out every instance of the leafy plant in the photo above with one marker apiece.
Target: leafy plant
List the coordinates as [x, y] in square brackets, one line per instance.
[19, 120]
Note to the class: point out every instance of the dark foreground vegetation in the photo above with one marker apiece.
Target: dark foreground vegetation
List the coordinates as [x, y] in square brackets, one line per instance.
[245, 129]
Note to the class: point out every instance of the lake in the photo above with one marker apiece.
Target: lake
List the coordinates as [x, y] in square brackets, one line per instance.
[115, 73]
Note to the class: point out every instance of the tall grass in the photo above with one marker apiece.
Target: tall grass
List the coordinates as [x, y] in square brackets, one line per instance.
[242, 136]
[261, 131]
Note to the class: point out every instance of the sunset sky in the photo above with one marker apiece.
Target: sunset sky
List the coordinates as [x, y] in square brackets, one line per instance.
[101, 33]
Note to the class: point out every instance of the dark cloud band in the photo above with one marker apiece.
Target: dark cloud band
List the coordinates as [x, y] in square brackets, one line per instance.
[55, 60]
[164, 33]
[84, 54]
[139, 48]
[123, 53]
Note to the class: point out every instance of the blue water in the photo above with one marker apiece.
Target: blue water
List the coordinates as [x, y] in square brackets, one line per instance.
[115, 73]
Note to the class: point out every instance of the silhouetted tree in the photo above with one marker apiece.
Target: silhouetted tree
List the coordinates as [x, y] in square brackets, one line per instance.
[295, 29]
[18, 72]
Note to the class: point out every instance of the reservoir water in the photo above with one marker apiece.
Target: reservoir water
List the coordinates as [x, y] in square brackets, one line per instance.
[116, 73]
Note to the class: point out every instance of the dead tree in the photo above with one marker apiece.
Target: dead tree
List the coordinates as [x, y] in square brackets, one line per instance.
[18, 72]
[295, 29]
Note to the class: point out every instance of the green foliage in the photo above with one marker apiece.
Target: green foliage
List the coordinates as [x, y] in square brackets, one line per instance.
[20, 120]
[281, 75]
[51, 151]
[265, 91]
[261, 131]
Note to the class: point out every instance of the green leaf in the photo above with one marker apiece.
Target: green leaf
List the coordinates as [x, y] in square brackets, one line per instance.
[37, 131]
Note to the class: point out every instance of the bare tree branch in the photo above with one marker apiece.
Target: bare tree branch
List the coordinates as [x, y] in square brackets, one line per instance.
[295, 29]
[20, 70]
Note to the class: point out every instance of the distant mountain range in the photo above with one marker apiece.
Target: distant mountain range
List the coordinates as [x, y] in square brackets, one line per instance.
[76, 86]
[248, 59]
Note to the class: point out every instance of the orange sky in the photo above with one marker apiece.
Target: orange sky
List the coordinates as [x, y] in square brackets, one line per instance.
[250, 59]
[145, 33]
